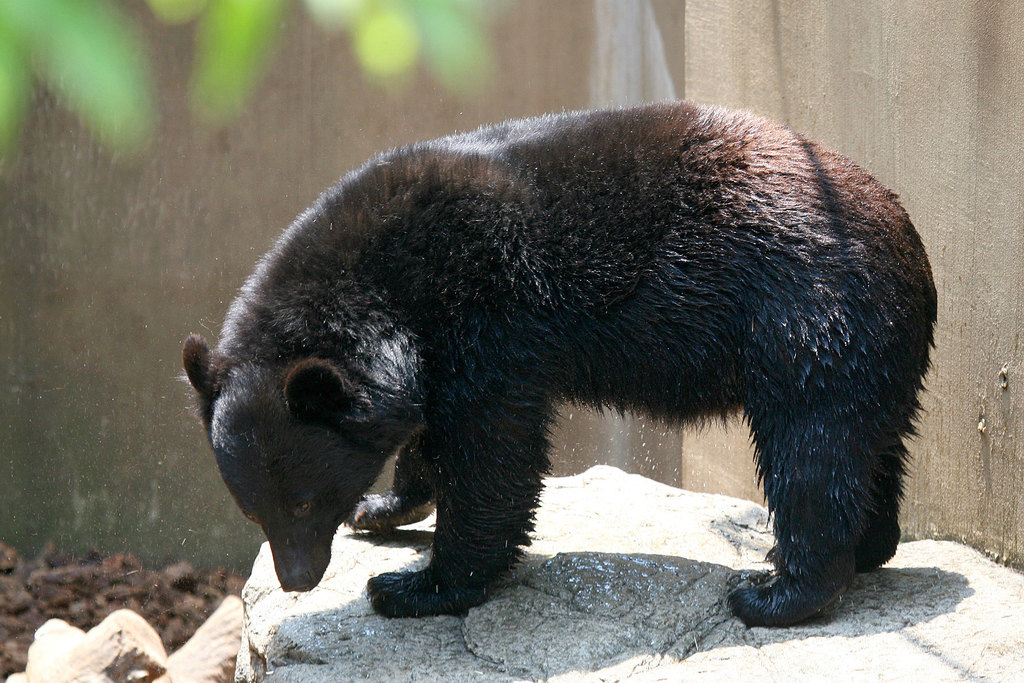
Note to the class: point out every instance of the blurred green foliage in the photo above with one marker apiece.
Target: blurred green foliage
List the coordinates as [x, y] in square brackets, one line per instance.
[94, 58]
[88, 53]
[232, 44]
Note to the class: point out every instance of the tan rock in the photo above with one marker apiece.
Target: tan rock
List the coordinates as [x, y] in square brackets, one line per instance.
[122, 647]
[209, 655]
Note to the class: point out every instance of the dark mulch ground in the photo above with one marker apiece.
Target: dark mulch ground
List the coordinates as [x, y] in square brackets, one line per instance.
[176, 600]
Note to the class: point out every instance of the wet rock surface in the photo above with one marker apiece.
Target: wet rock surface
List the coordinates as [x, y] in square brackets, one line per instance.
[626, 580]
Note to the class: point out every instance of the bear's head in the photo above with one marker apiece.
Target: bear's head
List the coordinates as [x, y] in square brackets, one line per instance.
[297, 446]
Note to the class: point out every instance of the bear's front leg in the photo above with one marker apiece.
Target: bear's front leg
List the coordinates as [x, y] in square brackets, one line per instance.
[410, 499]
[489, 480]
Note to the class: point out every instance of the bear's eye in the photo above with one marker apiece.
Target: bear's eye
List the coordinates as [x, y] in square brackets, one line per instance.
[302, 509]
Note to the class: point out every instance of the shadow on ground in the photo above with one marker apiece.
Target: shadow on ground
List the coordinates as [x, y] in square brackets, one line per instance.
[588, 612]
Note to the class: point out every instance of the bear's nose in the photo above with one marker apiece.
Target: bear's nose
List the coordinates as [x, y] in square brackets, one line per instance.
[298, 569]
[297, 580]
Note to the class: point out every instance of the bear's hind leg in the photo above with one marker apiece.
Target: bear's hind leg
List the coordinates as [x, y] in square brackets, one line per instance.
[817, 490]
[410, 499]
[881, 534]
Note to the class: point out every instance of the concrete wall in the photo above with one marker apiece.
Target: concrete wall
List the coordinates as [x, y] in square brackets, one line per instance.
[106, 263]
[928, 95]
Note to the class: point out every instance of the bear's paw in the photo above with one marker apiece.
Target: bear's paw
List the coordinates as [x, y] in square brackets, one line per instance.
[417, 594]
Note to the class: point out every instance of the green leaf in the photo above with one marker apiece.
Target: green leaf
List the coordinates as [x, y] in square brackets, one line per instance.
[176, 11]
[88, 53]
[234, 41]
[385, 40]
[15, 87]
[333, 14]
[457, 49]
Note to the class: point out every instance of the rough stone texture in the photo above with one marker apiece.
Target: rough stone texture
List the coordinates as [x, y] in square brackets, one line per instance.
[626, 580]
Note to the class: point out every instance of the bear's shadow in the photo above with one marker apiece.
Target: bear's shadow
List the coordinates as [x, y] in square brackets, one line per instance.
[617, 604]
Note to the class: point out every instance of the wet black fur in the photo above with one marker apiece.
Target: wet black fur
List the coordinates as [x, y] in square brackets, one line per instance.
[678, 260]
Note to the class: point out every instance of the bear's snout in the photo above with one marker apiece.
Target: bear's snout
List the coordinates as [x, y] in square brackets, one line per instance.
[299, 568]
[297, 579]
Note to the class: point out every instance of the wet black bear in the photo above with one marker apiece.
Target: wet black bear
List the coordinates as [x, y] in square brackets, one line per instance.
[680, 260]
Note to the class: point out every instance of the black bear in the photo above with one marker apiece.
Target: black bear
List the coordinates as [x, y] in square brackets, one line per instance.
[681, 260]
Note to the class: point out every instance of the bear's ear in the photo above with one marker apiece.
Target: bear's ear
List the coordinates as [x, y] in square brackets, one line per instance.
[200, 366]
[316, 389]
[205, 370]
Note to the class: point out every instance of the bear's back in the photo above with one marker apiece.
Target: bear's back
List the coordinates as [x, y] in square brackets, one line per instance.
[573, 212]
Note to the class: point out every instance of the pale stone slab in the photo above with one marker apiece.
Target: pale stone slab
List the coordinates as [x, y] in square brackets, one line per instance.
[626, 580]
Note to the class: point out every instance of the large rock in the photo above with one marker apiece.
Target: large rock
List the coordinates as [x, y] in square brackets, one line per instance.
[626, 580]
